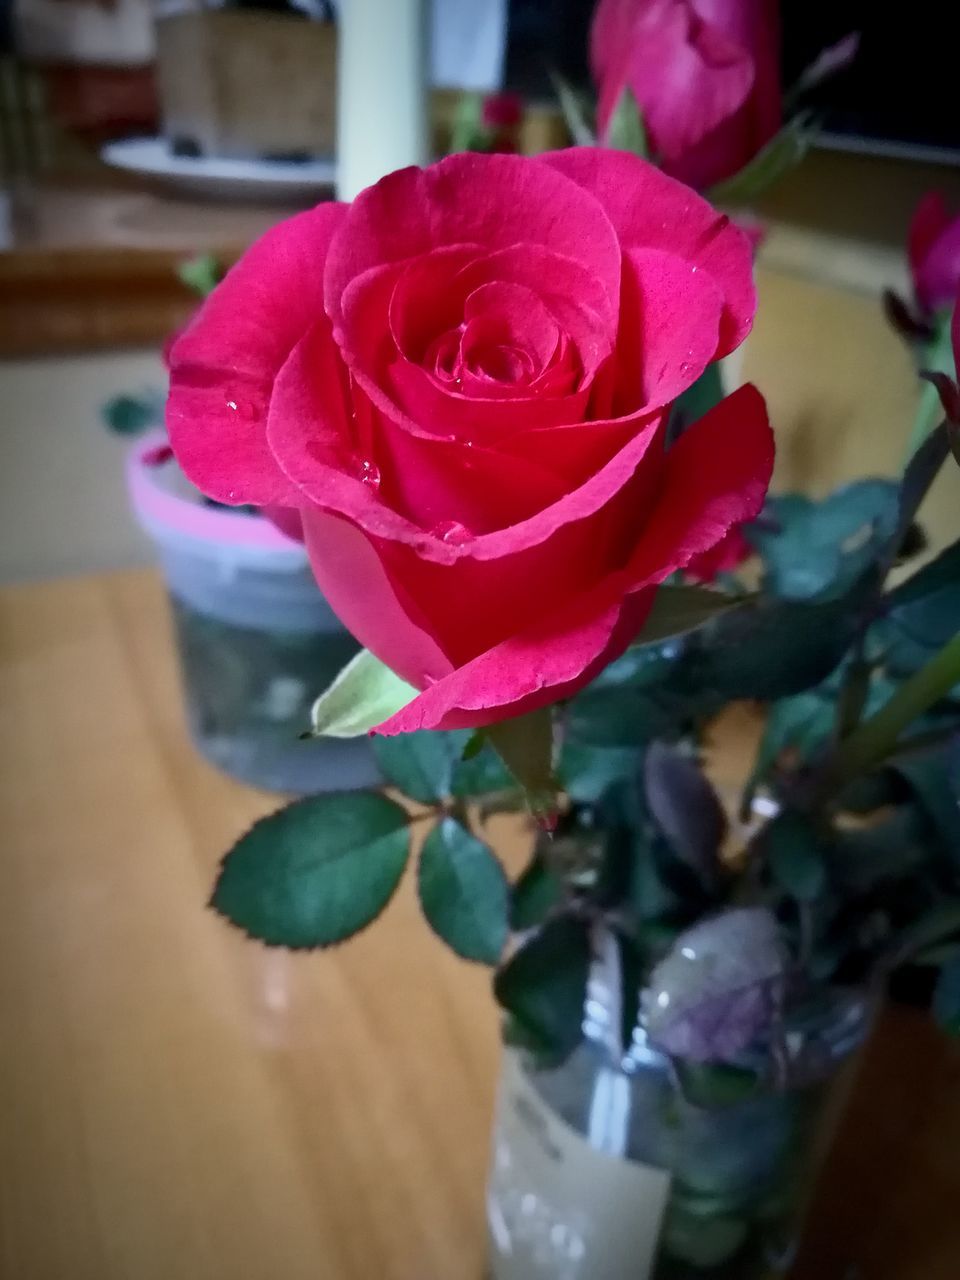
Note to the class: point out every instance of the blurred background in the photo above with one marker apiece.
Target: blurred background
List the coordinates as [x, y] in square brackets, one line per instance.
[135, 136]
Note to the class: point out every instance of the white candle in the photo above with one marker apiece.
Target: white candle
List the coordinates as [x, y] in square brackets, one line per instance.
[381, 90]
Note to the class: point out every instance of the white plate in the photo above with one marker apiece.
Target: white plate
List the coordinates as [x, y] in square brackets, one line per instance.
[222, 178]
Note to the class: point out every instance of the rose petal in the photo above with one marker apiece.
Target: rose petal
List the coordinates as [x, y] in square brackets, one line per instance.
[345, 455]
[551, 661]
[716, 477]
[650, 210]
[490, 200]
[930, 219]
[669, 326]
[350, 574]
[308, 426]
[938, 275]
[223, 364]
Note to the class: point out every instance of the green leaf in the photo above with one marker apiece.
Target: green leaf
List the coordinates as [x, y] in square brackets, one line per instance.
[931, 778]
[799, 723]
[363, 695]
[815, 550]
[587, 771]
[775, 648]
[681, 609]
[781, 154]
[543, 985]
[893, 849]
[626, 131]
[130, 415]
[685, 808]
[202, 274]
[467, 125]
[534, 895]
[795, 856]
[463, 892]
[525, 745]
[316, 872]
[924, 613]
[421, 764]
[481, 774]
[946, 996]
[576, 111]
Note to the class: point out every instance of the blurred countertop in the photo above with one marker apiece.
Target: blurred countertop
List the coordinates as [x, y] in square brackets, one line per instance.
[92, 264]
[178, 1101]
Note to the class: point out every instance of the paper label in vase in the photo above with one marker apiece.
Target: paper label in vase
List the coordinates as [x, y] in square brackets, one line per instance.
[557, 1207]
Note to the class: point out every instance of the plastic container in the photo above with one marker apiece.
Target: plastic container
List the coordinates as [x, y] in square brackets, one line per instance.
[256, 639]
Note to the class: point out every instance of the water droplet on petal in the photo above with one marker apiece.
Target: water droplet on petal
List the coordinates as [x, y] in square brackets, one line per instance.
[693, 270]
[244, 408]
[368, 473]
[452, 532]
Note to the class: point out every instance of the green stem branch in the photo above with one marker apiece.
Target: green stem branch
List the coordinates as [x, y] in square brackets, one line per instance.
[876, 738]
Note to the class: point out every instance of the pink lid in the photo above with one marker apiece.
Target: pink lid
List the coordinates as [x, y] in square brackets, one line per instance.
[160, 510]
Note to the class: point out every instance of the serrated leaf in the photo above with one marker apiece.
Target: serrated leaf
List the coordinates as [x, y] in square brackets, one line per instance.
[719, 987]
[781, 154]
[463, 892]
[816, 550]
[795, 856]
[678, 610]
[535, 893]
[625, 129]
[776, 648]
[316, 872]
[421, 764]
[543, 985]
[685, 807]
[364, 694]
[946, 996]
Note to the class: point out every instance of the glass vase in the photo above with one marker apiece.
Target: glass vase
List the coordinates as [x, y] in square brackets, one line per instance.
[630, 1166]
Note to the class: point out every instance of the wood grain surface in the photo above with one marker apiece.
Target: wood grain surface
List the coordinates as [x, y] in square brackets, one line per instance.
[178, 1104]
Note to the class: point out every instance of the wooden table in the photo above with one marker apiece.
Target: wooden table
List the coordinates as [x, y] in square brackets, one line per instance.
[178, 1104]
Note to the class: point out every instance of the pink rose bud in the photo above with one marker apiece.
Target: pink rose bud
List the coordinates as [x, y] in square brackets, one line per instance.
[934, 250]
[462, 383]
[705, 73]
[502, 110]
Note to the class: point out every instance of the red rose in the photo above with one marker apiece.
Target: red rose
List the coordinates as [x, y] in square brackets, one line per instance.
[462, 382]
[728, 554]
[706, 75]
[934, 251]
